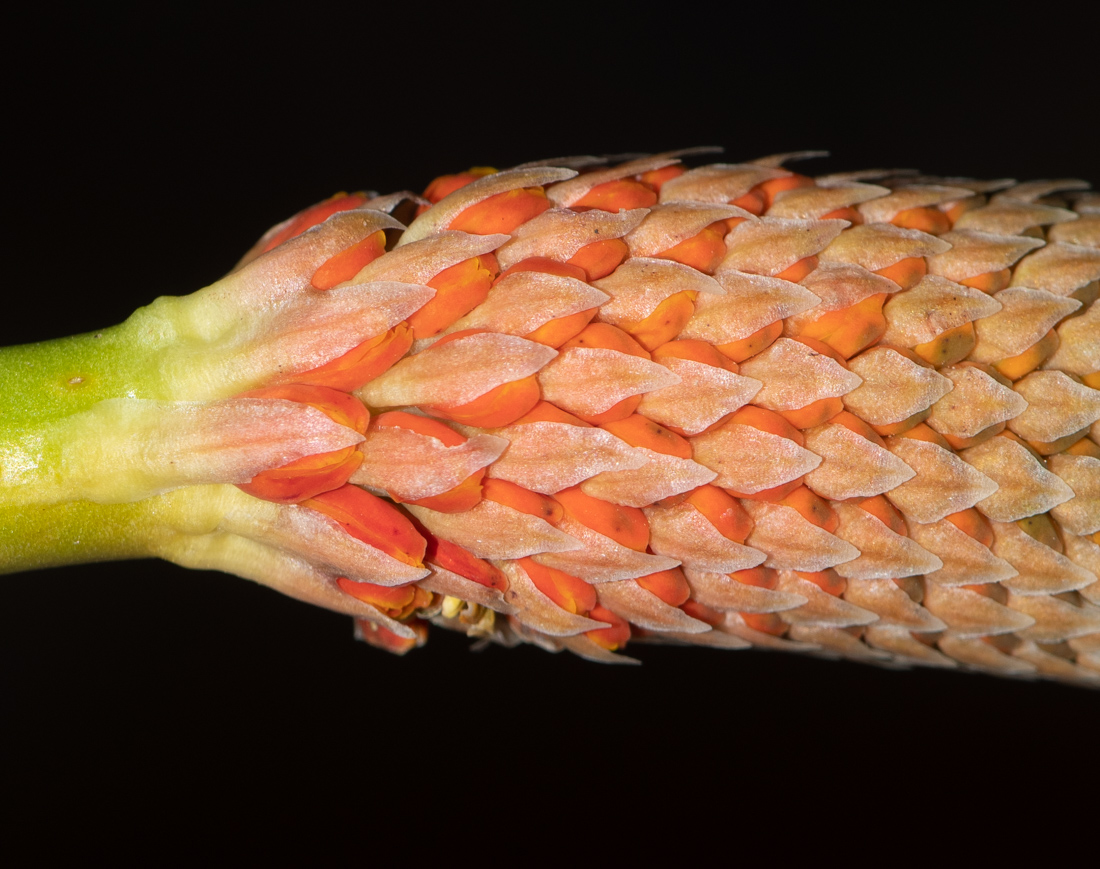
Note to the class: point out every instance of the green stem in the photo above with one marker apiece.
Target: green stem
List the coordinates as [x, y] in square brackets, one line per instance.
[46, 390]
[78, 532]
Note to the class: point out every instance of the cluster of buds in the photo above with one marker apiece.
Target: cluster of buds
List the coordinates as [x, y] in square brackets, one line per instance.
[581, 405]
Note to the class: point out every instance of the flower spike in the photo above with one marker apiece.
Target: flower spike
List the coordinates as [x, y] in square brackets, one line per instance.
[588, 402]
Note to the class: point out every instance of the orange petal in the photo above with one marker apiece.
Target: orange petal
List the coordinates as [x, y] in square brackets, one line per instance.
[567, 591]
[363, 363]
[454, 558]
[813, 414]
[611, 638]
[703, 251]
[502, 212]
[445, 185]
[655, 178]
[854, 424]
[467, 494]
[523, 500]
[753, 202]
[544, 411]
[813, 508]
[906, 273]
[545, 264]
[851, 329]
[950, 347]
[695, 351]
[798, 270]
[556, 332]
[759, 340]
[666, 321]
[607, 337]
[768, 190]
[638, 431]
[669, 585]
[306, 478]
[766, 623]
[925, 218]
[828, 580]
[973, 524]
[989, 282]
[722, 511]
[761, 577]
[890, 516]
[432, 428]
[338, 406]
[314, 215]
[619, 195]
[310, 476]
[600, 258]
[383, 638]
[497, 407]
[373, 521]
[458, 290]
[388, 598]
[627, 526]
[347, 264]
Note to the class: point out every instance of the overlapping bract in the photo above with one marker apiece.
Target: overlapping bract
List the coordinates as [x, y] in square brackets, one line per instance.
[731, 405]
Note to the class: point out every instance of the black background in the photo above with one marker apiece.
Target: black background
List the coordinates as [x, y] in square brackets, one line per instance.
[151, 710]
